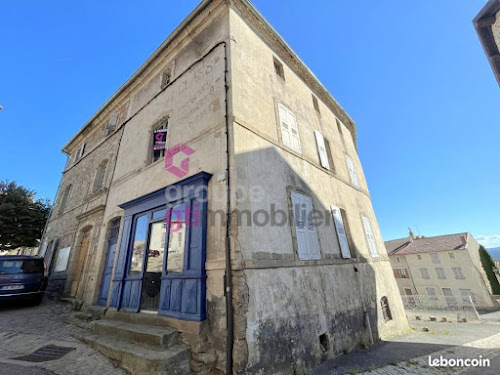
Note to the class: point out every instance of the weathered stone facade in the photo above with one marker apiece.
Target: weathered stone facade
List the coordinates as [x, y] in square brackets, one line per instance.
[222, 99]
[487, 24]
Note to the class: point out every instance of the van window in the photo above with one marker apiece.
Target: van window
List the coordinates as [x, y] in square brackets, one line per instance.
[15, 266]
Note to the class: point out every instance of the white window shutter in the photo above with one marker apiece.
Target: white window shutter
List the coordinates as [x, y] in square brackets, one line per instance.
[289, 130]
[352, 171]
[341, 234]
[113, 120]
[307, 240]
[370, 238]
[285, 127]
[323, 156]
[312, 237]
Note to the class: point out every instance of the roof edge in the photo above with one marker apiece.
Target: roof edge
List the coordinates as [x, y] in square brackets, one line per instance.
[191, 16]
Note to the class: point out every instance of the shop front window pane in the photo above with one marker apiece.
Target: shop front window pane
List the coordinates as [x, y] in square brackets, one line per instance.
[177, 238]
[138, 246]
[156, 247]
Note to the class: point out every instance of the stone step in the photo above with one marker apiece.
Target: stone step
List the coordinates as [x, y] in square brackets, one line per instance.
[150, 336]
[140, 360]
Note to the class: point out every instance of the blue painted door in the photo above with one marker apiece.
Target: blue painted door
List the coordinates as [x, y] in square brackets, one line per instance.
[108, 266]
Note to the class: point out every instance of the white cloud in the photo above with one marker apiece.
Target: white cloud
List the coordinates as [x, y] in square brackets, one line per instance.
[489, 241]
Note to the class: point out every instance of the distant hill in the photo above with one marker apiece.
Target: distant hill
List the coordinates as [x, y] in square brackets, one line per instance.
[495, 253]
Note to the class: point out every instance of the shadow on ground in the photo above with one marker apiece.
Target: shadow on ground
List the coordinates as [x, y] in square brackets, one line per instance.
[441, 337]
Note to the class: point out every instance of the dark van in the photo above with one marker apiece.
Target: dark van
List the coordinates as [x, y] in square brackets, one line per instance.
[22, 277]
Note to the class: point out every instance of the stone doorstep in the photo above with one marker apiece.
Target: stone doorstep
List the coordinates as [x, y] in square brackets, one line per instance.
[139, 360]
[183, 326]
[151, 336]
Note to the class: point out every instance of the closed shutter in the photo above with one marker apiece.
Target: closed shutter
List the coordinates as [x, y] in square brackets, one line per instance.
[370, 238]
[323, 155]
[113, 120]
[352, 171]
[341, 233]
[289, 130]
[307, 239]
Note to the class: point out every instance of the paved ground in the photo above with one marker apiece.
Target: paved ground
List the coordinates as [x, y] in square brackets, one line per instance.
[24, 329]
[409, 353]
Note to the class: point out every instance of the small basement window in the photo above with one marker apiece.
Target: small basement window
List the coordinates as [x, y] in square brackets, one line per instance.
[278, 68]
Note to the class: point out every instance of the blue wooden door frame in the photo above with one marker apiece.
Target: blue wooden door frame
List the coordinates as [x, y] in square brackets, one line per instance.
[108, 264]
[183, 294]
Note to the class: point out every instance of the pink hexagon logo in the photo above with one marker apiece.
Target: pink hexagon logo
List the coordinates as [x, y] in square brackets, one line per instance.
[183, 169]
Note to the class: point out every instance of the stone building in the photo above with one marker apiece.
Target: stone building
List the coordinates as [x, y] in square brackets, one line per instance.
[447, 265]
[224, 121]
[487, 24]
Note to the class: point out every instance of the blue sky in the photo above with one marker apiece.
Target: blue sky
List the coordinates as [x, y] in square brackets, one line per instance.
[412, 75]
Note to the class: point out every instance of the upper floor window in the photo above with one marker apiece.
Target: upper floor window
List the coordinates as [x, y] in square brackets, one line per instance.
[352, 171]
[99, 177]
[431, 292]
[459, 275]
[307, 239]
[452, 256]
[64, 199]
[440, 273]
[112, 122]
[424, 272]
[278, 68]
[370, 238]
[324, 151]
[315, 103]
[289, 130]
[159, 140]
[166, 78]
[435, 258]
[342, 231]
[79, 153]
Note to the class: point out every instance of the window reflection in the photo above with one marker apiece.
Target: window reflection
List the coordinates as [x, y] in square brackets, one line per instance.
[177, 238]
[156, 247]
[136, 262]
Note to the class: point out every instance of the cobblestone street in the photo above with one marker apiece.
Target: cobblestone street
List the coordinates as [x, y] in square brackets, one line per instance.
[24, 329]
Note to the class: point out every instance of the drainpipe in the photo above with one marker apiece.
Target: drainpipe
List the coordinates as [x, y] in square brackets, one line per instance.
[228, 278]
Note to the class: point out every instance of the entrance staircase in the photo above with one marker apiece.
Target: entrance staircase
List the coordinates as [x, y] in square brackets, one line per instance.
[139, 348]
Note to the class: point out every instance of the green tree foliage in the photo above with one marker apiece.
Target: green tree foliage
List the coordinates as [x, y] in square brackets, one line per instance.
[488, 264]
[22, 218]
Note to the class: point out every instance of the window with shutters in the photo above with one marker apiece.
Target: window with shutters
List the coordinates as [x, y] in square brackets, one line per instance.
[435, 258]
[305, 230]
[342, 235]
[424, 272]
[431, 292]
[404, 273]
[324, 158]
[352, 171]
[79, 153]
[459, 275]
[370, 238]
[159, 141]
[467, 295]
[440, 273]
[99, 177]
[289, 130]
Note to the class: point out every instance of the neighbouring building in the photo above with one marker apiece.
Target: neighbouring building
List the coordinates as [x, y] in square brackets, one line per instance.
[487, 24]
[224, 120]
[447, 265]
